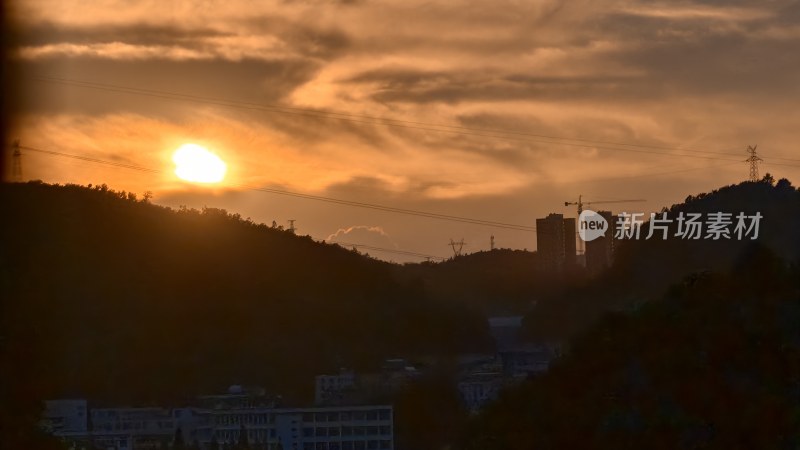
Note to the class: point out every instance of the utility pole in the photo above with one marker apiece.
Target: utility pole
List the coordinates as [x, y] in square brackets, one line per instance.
[457, 246]
[753, 160]
[16, 166]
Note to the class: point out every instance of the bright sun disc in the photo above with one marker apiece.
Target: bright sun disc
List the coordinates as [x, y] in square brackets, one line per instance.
[195, 163]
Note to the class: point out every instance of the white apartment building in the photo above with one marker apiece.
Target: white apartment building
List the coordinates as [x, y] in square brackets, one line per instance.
[316, 428]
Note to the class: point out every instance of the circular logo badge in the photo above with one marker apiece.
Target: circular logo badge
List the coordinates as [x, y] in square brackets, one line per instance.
[591, 225]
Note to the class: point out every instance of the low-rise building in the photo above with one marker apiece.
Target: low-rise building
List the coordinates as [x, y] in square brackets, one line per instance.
[479, 389]
[334, 389]
[316, 428]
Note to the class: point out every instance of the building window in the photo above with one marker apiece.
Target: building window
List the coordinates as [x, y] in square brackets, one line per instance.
[372, 415]
[347, 431]
[386, 445]
[320, 417]
[347, 445]
[308, 432]
[322, 431]
[333, 431]
[385, 429]
[372, 445]
[372, 431]
[385, 414]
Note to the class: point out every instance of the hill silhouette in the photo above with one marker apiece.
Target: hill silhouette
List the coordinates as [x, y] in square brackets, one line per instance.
[644, 269]
[110, 297]
[679, 345]
[713, 365]
[496, 282]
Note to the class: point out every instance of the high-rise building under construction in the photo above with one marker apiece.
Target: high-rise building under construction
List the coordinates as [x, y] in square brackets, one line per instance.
[600, 251]
[555, 242]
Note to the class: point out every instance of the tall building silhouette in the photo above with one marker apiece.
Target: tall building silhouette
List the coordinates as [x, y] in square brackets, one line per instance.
[600, 252]
[555, 242]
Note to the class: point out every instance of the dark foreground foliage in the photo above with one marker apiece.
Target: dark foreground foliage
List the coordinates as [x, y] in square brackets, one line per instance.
[714, 364]
[109, 297]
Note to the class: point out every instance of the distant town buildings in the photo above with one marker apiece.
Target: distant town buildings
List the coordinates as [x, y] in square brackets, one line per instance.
[478, 389]
[516, 357]
[334, 389]
[343, 418]
[266, 428]
[555, 242]
[239, 397]
[505, 330]
[482, 377]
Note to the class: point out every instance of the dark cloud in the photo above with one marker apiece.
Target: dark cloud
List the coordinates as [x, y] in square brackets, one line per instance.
[248, 80]
[419, 86]
[43, 33]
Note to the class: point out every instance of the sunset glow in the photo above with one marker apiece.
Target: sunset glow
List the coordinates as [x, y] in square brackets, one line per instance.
[196, 164]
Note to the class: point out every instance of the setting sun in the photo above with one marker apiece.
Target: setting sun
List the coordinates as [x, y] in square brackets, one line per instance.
[197, 164]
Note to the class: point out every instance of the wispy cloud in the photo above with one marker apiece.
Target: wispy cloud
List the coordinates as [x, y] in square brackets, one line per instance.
[717, 74]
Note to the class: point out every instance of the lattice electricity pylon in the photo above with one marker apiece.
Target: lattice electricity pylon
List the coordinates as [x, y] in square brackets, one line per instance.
[753, 160]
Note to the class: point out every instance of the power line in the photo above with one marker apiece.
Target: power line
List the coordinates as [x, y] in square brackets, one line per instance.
[373, 206]
[373, 120]
[388, 250]
[655, 174]
[91, 160]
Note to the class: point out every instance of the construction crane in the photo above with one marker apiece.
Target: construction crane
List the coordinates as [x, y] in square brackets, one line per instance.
[580, 203]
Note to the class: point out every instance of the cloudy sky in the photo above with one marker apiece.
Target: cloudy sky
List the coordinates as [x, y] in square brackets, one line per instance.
[493, 110]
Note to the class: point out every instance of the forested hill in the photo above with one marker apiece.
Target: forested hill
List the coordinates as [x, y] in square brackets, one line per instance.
[714, 364]
[644, 269]
[682, 344]
[497, 282]
[114, 298]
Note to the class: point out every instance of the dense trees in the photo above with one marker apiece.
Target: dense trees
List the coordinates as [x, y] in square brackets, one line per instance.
[681, 344]
[715, 364]
[644, 269]
[114, 298]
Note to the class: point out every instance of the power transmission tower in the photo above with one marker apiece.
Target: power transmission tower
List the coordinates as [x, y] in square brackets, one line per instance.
[16, 167]
[292, 228]
[753, 160]
[457, 246]
[491, 243]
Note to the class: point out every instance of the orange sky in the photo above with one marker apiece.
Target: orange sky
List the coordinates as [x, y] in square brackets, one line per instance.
[685, 86]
